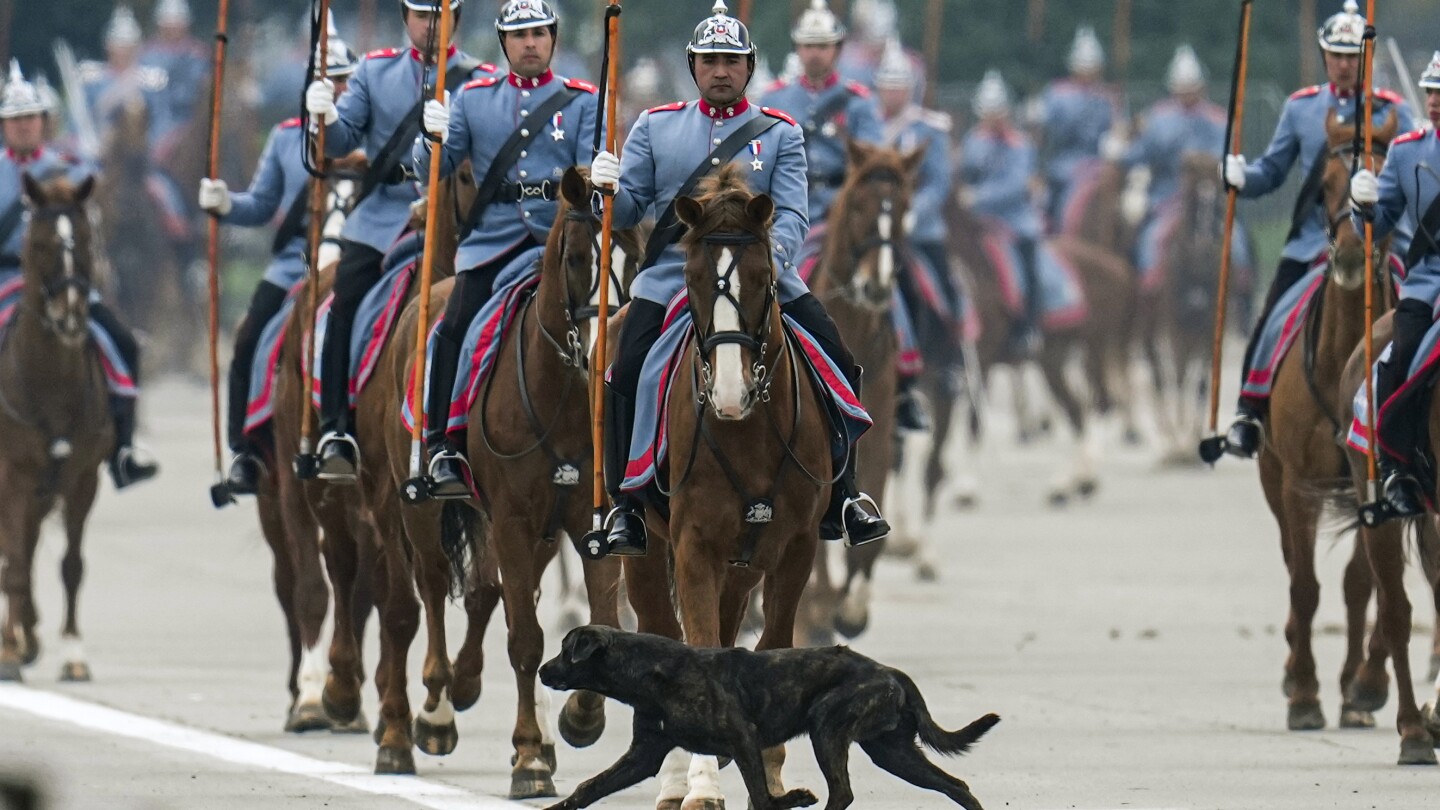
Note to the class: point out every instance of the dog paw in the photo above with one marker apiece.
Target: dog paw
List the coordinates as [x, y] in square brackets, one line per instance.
[799, 797]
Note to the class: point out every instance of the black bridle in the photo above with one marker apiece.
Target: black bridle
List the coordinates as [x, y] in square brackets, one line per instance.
[53, 285]
[1346, 152]
[875, 243]
[756, 339]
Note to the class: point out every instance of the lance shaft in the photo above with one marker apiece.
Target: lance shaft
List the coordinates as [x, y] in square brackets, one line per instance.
[316, 232]
[217, 86]
[1367, 65]
[607, 226]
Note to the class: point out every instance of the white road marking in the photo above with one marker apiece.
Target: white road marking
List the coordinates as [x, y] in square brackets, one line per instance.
[50, 706]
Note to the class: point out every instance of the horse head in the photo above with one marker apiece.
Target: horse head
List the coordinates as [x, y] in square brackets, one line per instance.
[1197, 248]
[57, 257]
[1347, 244]
[730, 276]
[869, 218]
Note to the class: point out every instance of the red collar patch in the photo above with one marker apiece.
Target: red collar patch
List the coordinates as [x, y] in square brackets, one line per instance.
[728, 112]
[530, 84]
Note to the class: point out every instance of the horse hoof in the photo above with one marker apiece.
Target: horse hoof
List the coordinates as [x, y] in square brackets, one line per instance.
[75, 672]
[1368, 697]
[10, 671]
[357, 726]
[307, 717]
[1352, 717]
[851, 628]
[579, 727]
[436, 740]
[394, 762]
[925, 572]
[668, 804]
[532, 781]
[799, 797]
[702, 804]
[1416, 752]
[1087, 488]
[465, 692]
[547, 753]
[340, 712]
[1306, 717]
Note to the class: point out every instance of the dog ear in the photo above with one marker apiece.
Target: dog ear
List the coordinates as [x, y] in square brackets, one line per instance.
[588, 645]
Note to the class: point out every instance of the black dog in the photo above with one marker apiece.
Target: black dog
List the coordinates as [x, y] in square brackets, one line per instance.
[736, 703]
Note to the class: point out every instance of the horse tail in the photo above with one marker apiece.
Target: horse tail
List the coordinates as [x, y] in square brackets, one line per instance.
[461, 538]
[937, 739]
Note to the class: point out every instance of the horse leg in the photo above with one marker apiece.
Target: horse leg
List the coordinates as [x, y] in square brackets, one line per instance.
[1299, 529]
[1365, 695]
[435, 731]
[72, 569]
[312, 609]
[515, 544]
[647, 584]
[582, 718]
[482, 595]
[853, 614]
[698, 582]
[1080, 479]
[283, 574]
[1386, 552]
[399, 621]
[816, 623]
[21, 521]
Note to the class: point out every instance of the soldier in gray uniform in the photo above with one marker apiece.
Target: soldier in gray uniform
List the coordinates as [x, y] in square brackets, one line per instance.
[550, 118]
[1406, 190]
[281, 184]
[381, 115]
[665, 147]
[23, 116]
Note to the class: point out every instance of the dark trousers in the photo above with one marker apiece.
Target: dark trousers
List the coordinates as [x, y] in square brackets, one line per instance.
[1031, 273]
[473, 289]
[358, 271]
[267, 300]
[1286, 274]
[1401, 428]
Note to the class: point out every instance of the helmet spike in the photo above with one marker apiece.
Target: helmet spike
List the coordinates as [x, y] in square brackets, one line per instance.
[818, 5]
[1352, 7]
[16, 75]
[719, 8]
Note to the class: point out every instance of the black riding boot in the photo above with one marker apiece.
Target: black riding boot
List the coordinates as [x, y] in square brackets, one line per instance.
[1025, 336]
[449, 472]
[358, 271]
[247, 465]
[846, 518]
[126, 467]
[626, 536]
[1397, 426]
[909, 410]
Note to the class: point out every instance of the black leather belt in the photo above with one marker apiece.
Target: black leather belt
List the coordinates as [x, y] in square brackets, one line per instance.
[520, 192]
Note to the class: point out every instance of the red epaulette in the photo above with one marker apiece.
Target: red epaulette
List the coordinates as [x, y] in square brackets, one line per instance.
[485, 81]
[858, 89]
[1407, 137]
[774, 113]
[778, 84]
[488, 67]
[1306, 92]
[1390, 96]
[289, 123]
[383, 53]
[581, 84]
[679, 105]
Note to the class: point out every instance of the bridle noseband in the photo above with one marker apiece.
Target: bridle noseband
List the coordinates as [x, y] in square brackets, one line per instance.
[758, 339]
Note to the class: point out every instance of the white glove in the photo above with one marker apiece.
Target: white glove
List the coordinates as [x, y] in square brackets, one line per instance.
[214, 197]
[320, 101]
[605, 170]
[1364, 189]
[1234, 171]
[1112, 147]
[436, 118]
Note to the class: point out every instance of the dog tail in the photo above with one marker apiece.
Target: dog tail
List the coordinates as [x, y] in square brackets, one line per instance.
[937, 739]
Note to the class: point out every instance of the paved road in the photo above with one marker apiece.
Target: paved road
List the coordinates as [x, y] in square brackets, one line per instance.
[1132, 646]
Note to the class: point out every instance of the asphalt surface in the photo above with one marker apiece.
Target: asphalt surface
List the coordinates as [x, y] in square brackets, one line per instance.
[1132, 644]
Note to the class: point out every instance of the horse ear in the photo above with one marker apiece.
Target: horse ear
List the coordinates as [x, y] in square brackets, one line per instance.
[689, 211]
[1387, 133]
[760, 209]
[856, 152]
[34, 192]
[85, 189]
[588, 643]
[575, 188]
[910, 161]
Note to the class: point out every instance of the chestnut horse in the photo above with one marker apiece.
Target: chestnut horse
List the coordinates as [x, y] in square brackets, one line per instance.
[749, 464]
[1384, 547]
[1302, 456]
[55, 427]
[529, 444]
[855, 277]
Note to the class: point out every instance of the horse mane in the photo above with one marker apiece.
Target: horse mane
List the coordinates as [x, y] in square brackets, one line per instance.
[723, 197]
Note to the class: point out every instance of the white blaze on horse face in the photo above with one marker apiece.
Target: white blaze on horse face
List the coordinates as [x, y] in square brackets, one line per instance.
[728, 391]
[886, 269]
[65, 230]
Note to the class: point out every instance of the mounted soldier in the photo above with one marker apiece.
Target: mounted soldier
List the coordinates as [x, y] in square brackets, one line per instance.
[830, 109]
[381, 115]
[23, 116]
[997, 167]
[1407, 190]
[280, 183]
[1300, 136]
[120, 78]
[520, 132]
[1076, 115]
[185, 64]
[689, 140]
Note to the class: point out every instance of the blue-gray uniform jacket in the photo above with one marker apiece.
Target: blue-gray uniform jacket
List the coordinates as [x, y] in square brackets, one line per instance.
[381, 93]
[483, 115]
[1300, 136]
[43, 164]
[998, 168]
[1409, 183]
[858, 118]
[106, 89]
[1074, 118]
[1172, 129]
[278, 180]
[668, 143]
[185, 64]
[918, 128]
